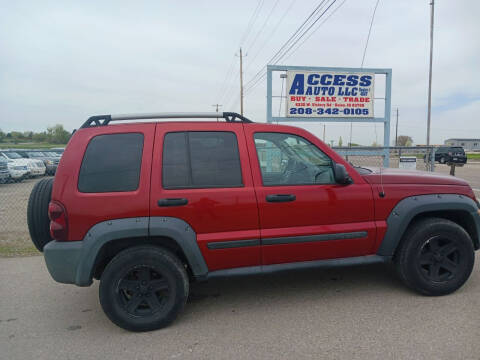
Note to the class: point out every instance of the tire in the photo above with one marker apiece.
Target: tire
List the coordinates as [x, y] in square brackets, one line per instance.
[37, 213]
[442, 160]
[435, 257]
[126, 293]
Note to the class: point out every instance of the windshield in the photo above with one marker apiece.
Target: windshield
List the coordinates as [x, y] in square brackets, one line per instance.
[12, 155]
[36, 154]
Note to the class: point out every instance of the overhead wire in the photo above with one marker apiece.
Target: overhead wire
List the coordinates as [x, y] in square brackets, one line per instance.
[253, 83]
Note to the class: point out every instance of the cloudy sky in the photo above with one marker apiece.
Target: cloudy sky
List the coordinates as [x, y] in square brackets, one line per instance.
[62, 61]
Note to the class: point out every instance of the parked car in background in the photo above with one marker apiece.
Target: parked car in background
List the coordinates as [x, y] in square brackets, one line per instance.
[51, 163]
[4, 173]
[35, 167]
[450, 154]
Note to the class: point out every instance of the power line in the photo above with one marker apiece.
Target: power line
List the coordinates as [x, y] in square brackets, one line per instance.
[251, 22]
[272, 32]
[263, 26]
[256, 82]
[315, 30]
[313, 13]
[369, 31]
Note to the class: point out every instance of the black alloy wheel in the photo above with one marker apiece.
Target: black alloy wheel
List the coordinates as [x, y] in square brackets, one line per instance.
[143, 288]
[435, 256]
[143, 291]
[439, 259]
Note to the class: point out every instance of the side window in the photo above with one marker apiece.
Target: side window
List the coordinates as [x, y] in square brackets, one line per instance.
[201, 159]
[111, 163]
[287, 159]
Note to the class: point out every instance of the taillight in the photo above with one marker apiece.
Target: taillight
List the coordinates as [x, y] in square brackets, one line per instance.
[58, 221]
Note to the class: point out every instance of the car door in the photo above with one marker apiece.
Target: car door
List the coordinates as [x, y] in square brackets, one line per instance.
[304, 214]
[201, 174]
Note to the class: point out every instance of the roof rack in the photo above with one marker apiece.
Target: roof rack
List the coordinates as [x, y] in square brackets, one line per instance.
[103, 120]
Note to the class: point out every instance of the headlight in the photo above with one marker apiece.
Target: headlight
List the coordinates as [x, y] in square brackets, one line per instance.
[49, 162]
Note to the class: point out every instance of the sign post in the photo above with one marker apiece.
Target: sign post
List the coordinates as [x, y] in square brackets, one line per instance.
[326, 94]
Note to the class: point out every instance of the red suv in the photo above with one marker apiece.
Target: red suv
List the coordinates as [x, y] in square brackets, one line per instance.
[149, 207]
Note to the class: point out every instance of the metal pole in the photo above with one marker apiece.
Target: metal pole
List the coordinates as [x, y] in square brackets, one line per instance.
[396, 131]
[217, 106]
[241, 83]
[323, 132]
[432, 4]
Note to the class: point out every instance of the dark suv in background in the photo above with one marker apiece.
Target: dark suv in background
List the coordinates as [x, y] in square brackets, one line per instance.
[451, 154]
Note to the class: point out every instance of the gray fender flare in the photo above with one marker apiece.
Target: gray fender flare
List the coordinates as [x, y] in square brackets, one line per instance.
[403, 213]
[111, 230]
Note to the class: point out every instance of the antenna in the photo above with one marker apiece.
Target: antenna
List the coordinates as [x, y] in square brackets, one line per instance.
[382, 191]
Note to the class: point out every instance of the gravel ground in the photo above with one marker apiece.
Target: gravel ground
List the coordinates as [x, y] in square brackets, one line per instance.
[347, 313]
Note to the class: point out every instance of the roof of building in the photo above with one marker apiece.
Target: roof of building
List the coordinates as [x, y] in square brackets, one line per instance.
[459, 139]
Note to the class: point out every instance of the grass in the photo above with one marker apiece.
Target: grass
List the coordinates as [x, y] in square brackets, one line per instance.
[30, 145]
[15, 250]
[475, 156]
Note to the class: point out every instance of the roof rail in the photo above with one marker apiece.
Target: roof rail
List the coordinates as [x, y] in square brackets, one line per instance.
[103, 120]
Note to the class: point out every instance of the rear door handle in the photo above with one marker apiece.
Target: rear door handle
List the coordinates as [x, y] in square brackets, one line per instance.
[173, 202]
[281, 197]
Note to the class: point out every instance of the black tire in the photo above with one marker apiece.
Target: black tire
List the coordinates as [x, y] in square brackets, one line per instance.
[435, 257]
[37, 213]
[143, 288]
[442, 160]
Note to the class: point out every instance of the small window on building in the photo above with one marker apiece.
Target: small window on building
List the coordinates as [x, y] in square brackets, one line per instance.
[463, 144]
[111, 163]
[201, 159]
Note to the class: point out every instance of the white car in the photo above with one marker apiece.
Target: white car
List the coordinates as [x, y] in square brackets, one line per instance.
[34, 167]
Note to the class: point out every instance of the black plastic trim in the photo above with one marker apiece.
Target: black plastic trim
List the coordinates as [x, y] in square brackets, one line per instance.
[232, 244]
[314, 238]
[403, 213]
[268, 269]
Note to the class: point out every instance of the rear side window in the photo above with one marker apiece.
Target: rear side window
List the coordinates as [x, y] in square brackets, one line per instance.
[111, 163]
[201, 160]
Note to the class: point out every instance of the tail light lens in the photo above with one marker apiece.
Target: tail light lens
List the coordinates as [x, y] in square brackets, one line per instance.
[58, 221]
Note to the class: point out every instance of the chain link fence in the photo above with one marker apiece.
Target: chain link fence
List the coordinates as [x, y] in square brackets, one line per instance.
[15, 239]
[412, 157]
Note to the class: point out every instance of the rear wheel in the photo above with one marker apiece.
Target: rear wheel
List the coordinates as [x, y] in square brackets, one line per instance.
[37, 213]
[442, 160]
[143, 288]
[435, 257]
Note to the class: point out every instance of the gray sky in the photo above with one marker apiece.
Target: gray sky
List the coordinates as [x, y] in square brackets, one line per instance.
[62, 61]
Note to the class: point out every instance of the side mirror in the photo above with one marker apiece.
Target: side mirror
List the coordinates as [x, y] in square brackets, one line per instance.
[341, 175]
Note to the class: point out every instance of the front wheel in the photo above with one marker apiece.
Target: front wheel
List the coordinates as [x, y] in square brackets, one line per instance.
[143, 288]
[436, 257]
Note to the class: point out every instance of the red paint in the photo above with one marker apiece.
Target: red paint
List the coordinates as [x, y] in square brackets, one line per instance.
[228, 214]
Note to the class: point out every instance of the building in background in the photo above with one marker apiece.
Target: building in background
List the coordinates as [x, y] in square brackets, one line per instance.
[467, 144]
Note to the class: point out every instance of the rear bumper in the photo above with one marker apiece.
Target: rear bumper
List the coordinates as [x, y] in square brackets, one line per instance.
[63, 262]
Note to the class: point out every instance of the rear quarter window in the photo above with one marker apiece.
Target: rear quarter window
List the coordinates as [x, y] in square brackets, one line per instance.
[111, 163]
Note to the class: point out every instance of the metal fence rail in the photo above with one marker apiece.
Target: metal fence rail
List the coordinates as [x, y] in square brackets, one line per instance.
[375, 156]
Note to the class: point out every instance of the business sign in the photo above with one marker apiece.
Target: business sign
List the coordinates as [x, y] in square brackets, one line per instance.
[330, 94]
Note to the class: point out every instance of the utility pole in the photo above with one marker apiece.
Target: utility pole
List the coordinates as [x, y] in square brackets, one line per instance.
[432, 4]
[217, 106]
[241, 82]
[396, 131]
[323, 132]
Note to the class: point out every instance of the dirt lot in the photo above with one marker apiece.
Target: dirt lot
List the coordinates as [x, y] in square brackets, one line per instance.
[15, 240]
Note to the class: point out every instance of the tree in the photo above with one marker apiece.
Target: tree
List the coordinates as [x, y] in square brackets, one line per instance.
[340, 141]
[57, 134]
[2, 135]
[404, 140]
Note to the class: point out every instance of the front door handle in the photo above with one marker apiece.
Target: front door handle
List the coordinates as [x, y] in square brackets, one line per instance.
[281, 197]
[173, 202]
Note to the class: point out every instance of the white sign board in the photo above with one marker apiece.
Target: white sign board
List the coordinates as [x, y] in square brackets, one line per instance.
[330, 94]
[408, 162]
